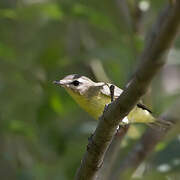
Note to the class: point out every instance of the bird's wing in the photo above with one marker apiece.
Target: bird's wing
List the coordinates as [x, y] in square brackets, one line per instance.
[106, 90]
[142, 106]
[117, 92]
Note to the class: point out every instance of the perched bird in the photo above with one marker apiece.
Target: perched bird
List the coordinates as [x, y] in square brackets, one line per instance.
[93, 96]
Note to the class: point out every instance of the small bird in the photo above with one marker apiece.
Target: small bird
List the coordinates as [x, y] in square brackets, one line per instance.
[93, 96]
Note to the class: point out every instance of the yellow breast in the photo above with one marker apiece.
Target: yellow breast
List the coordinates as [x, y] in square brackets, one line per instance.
[93, 105]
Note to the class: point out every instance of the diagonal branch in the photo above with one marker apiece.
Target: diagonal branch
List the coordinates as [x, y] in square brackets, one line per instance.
[153, 58]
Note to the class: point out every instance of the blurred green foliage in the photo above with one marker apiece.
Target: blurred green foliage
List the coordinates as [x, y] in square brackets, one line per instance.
[43, 132]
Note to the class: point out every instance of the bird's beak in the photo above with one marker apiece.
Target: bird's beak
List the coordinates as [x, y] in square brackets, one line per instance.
[61, 82]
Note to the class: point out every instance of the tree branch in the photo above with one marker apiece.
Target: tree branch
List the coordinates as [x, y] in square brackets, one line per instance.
[152, 59]
[112, 154]
[146, 144]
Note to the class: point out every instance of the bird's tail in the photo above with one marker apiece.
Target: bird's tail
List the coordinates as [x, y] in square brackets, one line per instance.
[160, 123]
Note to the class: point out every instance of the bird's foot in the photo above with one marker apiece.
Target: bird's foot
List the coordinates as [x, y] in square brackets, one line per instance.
[122, 129]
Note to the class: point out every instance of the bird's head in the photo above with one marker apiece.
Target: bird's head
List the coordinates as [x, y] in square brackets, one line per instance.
[75, 83]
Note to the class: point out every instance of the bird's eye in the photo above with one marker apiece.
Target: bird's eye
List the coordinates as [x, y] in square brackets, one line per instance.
[76, 83]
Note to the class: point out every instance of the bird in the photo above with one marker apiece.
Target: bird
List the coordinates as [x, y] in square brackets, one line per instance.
[94, 96]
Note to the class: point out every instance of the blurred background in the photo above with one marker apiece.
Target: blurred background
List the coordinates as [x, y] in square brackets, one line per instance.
[43, 133]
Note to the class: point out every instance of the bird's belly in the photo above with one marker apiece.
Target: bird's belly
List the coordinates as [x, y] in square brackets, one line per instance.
[138, 115]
